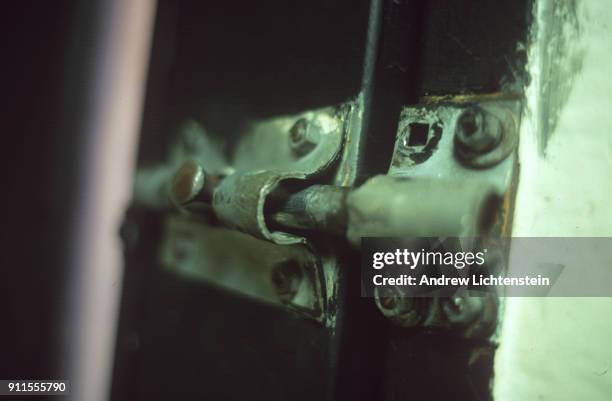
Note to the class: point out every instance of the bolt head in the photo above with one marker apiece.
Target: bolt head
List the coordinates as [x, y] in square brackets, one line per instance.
[301, 138]
[476, 131]
[298, 130]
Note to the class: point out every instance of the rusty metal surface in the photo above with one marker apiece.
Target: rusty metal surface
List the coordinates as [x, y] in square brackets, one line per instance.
[240, 199]
[344, 147]
[210, 188]
[445, 192]
[436, 158]
[318, 207]
[153, 184]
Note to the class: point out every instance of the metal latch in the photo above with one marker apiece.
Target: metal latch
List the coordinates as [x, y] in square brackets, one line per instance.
[452, 173]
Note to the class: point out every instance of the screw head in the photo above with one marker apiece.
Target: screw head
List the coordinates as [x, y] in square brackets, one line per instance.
[476, 131]
[399, 308]
[462, 310]
[298, 130]
[301, 138]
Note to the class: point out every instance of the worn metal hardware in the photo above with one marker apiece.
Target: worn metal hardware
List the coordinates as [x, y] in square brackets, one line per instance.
[307, 143]
[477, 132]
[485, 135]
[208, 187]
[192, 184]
[461, 309]
[303, 137]
[437, 159]
[276, 196]
[383, 206]
[265, 145]
[271, 206]
[153, 186]
[239, 202]
[465, 313]
[403, 311]
[466, 316]
[471, 141]
[317, 207]
[266, 272]
[455, 136]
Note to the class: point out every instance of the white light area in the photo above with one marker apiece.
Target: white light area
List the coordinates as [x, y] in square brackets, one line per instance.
[112, 128]
[559, 348]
